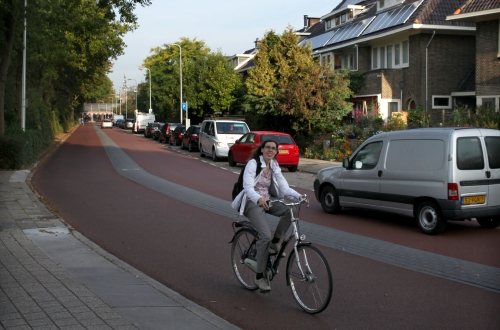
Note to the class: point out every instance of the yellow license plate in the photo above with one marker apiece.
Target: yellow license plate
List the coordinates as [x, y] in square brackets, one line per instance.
[478, 199]
[283, 152]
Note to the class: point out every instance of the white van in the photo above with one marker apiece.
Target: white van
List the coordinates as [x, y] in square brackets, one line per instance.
[431, 174]
[217, 135]
[142, 120]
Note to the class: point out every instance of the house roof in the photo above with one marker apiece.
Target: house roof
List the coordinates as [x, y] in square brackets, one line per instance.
[371, 23]
[477, 10]
[480, 5]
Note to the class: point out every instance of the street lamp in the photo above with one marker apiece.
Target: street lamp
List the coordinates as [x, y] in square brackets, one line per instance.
[150, 108]
[180, 75]
[136, 88]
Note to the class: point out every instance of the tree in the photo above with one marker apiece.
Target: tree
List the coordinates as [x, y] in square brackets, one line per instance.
[70, 46]
[286, 83]
[209, 83]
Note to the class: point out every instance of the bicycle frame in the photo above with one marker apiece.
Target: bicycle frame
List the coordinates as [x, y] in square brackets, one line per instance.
[307, 271]
[274, 260]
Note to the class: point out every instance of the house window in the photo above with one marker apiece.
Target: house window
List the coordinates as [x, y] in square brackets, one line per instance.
[337, 21]
[328, 24]
[405, 52]
[396, 55]
[393, 107]
[374, 58]
[498, 54]
[389, 56]
[382, 57]
[441, 102]
[488, 103]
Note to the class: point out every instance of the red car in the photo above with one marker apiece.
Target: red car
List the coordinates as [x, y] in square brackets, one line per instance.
[242, 150]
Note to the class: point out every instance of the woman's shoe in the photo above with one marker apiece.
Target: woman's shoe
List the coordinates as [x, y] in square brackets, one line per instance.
[263, 284]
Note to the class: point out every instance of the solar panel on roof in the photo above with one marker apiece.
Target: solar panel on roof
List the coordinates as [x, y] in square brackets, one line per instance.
[392, 17]
[350, 31]
[319, 40]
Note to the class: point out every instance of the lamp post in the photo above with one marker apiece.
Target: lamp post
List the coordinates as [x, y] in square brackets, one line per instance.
[23, 76]
[150, 108]
[136, 88]
[180, 77]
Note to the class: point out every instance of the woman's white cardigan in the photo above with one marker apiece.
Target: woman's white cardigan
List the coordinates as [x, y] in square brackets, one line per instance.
[250, 179]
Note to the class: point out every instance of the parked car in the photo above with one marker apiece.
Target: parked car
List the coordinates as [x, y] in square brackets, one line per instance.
[176, 135]
[190, 138]
[433, 175]
[129, 123]
[288, 151]
[217, 135]
[106, 123]
[151, 128]
[157, 134]
[165, 132]
[120, 123]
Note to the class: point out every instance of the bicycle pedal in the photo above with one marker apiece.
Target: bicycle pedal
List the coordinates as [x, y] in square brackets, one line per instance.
[252, 264]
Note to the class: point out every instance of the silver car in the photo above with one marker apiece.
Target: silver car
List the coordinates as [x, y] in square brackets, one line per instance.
[433, 175]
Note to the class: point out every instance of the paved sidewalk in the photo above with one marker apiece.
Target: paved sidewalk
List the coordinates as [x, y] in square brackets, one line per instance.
[53, 278]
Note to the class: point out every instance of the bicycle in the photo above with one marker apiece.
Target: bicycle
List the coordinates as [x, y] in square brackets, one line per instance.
[308, 273]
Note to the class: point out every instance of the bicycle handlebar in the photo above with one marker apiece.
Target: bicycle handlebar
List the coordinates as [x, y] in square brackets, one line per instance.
[300, 200]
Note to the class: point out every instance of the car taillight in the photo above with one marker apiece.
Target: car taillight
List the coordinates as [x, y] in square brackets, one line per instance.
[453, 191]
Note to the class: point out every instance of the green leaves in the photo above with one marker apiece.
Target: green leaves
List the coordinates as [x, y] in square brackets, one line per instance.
[209, 83]
[69, 48]
[286, 82]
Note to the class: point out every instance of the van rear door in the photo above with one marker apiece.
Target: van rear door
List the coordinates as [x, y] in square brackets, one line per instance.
[472, 173]
[492, 144]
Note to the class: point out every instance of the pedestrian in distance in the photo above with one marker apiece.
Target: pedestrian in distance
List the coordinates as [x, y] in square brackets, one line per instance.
[263, 181]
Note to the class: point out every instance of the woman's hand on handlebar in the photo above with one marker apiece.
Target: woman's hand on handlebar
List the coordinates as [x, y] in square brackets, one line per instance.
[263, 203]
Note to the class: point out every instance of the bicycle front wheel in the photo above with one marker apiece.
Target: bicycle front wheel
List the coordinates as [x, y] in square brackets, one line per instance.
[243, 247]
[310, 278]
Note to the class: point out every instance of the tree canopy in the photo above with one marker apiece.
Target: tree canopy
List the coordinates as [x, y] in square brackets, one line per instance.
[70, 45]
[288, 84]
[209, 82]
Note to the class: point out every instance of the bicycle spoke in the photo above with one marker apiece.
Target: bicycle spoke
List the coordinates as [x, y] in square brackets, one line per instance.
[310, 279]
[239, 251]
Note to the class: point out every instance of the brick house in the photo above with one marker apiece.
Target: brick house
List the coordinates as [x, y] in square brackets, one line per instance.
[486, 15]
[408, 53]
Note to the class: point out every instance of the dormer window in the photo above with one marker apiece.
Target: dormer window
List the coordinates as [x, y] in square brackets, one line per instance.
[384, 4]
[342, 16]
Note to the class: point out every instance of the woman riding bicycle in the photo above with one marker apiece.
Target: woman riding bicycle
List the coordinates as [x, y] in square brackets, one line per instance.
[253, 202]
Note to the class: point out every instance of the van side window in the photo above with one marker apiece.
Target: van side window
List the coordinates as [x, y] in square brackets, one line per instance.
[493, 150]
[469, 154]
[367, 157]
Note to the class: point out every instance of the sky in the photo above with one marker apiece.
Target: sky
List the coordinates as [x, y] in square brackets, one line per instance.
[225, 25]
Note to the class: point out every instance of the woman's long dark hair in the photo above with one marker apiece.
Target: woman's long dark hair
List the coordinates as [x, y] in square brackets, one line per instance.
[258, 152]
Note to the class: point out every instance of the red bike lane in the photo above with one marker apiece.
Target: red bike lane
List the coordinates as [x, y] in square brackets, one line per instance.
[186, 248]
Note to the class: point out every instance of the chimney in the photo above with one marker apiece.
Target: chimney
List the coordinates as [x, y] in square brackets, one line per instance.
[310, 21]
[257, 43]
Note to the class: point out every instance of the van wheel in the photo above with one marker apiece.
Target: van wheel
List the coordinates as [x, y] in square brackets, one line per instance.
[490, 222]
[329, 199]
[230, 160]
[214, 155]
[429, 218]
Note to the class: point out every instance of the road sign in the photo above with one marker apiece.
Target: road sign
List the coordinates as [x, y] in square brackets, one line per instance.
[184, 106]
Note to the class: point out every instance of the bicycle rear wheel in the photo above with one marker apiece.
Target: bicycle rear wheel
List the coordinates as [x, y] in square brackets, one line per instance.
[310, 278]
[244, 247]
